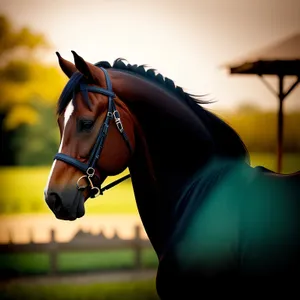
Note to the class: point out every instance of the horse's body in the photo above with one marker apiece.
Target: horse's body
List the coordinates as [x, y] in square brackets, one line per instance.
[209, 216]
[235, 227]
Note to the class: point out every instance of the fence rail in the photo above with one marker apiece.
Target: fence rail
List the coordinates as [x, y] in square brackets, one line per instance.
[82, 242]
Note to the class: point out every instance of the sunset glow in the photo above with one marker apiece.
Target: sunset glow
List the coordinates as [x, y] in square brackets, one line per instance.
[187, 41]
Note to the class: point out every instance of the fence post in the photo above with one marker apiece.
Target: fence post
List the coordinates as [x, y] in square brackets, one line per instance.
[53, 254]
[31, 236]
[10, 237]
[137, 248]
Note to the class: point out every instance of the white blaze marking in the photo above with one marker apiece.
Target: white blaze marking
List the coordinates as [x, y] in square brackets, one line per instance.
[68, 112]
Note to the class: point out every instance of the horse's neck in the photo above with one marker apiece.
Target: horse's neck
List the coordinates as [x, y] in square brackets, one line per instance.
[178, 145]
[147, 195]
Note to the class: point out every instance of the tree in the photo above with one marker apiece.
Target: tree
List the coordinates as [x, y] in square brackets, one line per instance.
[23, 82]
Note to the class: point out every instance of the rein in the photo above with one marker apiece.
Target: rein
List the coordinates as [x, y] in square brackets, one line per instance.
[89, 167]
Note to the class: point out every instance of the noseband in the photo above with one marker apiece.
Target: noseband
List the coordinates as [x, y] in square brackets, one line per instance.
[89, 167]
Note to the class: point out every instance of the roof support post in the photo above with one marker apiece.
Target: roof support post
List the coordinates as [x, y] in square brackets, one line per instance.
[281, 95]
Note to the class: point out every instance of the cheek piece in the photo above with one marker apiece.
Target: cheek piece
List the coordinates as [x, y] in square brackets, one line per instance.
[89, 168]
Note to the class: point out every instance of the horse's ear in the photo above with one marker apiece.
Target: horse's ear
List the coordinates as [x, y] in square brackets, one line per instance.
[67, 67]
[83, 66]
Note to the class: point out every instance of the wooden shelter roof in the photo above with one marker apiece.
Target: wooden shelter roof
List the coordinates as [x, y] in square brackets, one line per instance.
[281, 58]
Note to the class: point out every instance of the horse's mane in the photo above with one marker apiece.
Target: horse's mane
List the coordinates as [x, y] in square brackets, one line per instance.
[158, 78]
[226, 139]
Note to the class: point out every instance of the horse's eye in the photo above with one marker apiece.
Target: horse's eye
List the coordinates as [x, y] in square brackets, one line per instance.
[85, 125]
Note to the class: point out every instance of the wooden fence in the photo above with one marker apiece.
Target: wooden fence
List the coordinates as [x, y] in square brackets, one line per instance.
[82, 242]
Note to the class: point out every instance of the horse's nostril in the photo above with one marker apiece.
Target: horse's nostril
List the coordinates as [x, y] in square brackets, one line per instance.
[57, 203]
[54, 202]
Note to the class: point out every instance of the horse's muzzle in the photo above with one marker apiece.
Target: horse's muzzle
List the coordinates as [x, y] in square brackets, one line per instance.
[67, 204]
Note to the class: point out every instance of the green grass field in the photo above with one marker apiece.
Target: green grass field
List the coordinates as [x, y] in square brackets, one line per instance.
[22, 188]
[136, 290]
[38, 263]
[22, 192]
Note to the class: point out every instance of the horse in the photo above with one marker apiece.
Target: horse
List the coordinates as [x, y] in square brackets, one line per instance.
[216, 223]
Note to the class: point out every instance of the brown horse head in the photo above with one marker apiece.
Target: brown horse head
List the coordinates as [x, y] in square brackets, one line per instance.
[97, 138]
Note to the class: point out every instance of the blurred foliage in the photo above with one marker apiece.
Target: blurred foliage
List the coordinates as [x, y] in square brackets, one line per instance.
[13, 40]
[258, 129]
[22, 77]
[23, 83]
[35, 143]
[29, 91]
[20, 114]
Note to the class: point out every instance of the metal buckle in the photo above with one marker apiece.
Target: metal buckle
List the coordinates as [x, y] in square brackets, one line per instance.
[118, 122]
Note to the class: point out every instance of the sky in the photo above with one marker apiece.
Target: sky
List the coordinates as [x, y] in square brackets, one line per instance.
[185, 40]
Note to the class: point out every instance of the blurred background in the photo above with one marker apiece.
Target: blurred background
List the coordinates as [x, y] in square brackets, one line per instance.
[188, 41]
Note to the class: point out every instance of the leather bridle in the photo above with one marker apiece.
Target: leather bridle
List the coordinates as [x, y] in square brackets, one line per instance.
[89, 167]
